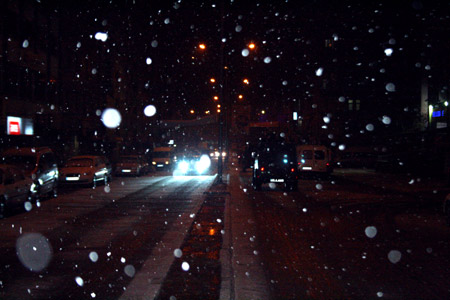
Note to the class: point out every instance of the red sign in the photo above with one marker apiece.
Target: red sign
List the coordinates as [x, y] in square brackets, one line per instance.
[14, 128]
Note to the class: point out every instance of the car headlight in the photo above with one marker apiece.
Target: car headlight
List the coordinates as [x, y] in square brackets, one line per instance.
[153, 162]
[183, 166]
[203, 164]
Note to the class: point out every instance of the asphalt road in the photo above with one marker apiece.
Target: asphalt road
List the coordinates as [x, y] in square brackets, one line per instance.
[90, 243]
[356, 235]
[353, 236]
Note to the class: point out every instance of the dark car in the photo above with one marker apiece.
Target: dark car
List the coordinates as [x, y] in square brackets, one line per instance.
[275, 164]
[38, 163]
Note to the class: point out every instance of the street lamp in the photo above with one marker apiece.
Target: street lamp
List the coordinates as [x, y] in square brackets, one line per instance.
[212, 80]
[251, 46]
[240, 97]
[246, 81]
[202, 46]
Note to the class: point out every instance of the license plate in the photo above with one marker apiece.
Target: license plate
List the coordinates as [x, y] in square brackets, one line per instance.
[276, 180]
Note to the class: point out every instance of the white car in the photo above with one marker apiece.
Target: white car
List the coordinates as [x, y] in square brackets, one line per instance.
[85, 169]
[15, 188]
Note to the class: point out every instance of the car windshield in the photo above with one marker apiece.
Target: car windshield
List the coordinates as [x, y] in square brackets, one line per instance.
[27, 162]
[161, 154]
[80, 162]
[281, 149]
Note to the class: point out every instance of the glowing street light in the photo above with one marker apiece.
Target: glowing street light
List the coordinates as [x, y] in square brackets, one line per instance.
[251, 46]
[212, 80]
[240, 97]
[202, 46]
[216, 98]
[246, 81]
[263, 112]
[192, 111]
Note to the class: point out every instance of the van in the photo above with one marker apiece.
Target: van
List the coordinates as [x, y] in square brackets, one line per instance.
[162, 158]
[314, 159]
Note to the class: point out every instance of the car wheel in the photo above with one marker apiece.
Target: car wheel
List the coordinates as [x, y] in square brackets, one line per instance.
[54, 192]
[2, 207]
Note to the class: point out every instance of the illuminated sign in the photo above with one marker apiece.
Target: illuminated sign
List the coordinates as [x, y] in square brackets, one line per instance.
[19, 126]
[437, 113]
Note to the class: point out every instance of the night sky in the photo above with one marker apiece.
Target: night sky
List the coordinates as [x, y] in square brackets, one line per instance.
[290, 39]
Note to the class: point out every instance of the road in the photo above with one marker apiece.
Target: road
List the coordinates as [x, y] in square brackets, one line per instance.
[359, 235]
[89, 243]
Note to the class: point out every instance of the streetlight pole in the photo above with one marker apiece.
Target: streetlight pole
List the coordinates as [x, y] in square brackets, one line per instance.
[221, 96]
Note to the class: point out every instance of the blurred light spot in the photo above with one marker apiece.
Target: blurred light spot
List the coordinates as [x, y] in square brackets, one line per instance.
[238, 28]
[370, 127]
[25, 44]
[394, 256]
[390, 87]
[371, 231]
[388, 51]
[93, 256]
[267, 60]
[178, 253]
[341, 147]
[185, 266]
[245, 52]
[148, 61]
[129, 270]
[79, 281]
[326, 119]
[150, 110]
[319, 72]
[319, 186]
[386, 120]
[342, 99]
[101, 36]
[111, 118]
[28, 206]
[34, 251]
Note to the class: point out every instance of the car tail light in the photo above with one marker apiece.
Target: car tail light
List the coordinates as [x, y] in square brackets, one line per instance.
[262, 169]
[292, 170]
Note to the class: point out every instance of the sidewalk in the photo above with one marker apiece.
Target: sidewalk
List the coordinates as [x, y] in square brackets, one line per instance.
[403, 183]
[243, 276]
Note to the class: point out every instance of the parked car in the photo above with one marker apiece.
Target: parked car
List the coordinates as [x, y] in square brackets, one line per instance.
[84, 169]
[15, 188]
[276, 165]
[132, 165]
[39, 164]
